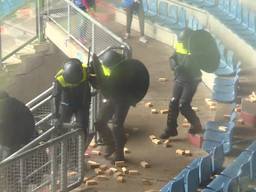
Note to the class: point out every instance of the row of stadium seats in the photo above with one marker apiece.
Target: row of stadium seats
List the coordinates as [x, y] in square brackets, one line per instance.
[198, 173]
[238, 175]
[236, 16]
[220, 132]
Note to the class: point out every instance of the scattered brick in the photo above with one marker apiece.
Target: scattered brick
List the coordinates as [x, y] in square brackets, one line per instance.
[149, 104]
[93, 164]
[91, 182]
[117, 174]
[154, 111]
[125, 170]
[195, 109]
[120, 179]
[187, 153]
[126, 150]
[156, 141]
[180, 152]
[186, 125]
[163, 79]
[120, 163]
[164, 111]
[151, 137]
[133, 172]
[145, 164]
[109, 172]
[72, 173]
[98, 171]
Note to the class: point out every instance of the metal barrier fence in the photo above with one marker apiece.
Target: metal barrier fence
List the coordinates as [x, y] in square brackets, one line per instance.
[79, 26]
[55, 165]
[18, 29]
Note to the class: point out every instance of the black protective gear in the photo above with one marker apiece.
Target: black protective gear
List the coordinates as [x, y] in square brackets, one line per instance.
[68, 101]
[185, 36]
[119, 112]
[173, 112]
[73, 71]
[111, 58]
[17, 125]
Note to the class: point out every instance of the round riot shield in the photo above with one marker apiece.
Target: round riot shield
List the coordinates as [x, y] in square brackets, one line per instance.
[129, 82]
[204, 51]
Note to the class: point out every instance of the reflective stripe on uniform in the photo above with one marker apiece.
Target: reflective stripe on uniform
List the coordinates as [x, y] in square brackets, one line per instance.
[106, 71]
[59, 77]
[179, 47]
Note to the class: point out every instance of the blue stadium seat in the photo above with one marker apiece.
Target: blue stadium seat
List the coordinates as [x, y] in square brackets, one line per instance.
[145, 5]
[205, 169]
[190, 21]
[163, 12]
[152, 9]
[209, 145]
[218, 136]
[209, 3]
[214, 125]
[217, 159]
[174, 186]
[172, 14]
[222, 183]
[181, 24]
[252, 22]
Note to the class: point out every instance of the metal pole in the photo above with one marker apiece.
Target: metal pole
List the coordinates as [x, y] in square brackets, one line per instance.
[39, 20]
[69, 20]
[63, 171]
[53, 152]
[1, 65]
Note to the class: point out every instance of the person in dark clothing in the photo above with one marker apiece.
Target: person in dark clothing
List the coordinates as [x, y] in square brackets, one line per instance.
[187, 78]
[17, 125]
[71, 94]
[112, 109]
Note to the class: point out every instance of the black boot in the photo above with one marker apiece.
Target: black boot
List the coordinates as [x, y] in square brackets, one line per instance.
[196, 128]
[171, 129]
[107, 137]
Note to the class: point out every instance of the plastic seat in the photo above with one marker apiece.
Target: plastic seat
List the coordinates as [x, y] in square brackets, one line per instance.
[205, 169]
[214, 125]
[163, 12]
[172, 14]
[174, 186]
[218, 135]
[222, 183]
[217, 159]
[209, 145]
[152, 9]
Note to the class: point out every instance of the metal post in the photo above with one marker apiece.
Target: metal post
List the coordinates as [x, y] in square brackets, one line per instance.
[22, 175]
[39, 20]
[1, 65]
[81, 150]
[69, 15]
[63, 171]
[53, 152]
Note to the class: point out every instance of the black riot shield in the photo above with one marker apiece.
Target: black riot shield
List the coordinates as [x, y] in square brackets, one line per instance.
[128, 82]
[204, 51]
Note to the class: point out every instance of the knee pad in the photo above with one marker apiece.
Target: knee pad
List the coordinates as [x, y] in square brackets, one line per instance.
[174, 103]
[184, 107]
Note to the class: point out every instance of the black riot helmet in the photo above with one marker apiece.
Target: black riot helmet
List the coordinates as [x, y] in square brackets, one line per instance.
[184, 37]
[111, 58]
[73, 71]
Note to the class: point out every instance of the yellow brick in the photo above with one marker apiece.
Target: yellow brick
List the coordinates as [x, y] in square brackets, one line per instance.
[91, 182]
[120, 179]
[133, 172]
[120, 163]
[149, 104]
[145, 164]
[180, 152]
[164, 111]
[156, 141]
[154, 111]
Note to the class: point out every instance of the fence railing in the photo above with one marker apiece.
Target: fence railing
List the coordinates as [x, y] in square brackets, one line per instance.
[82, 28]
[19, 28]
[55, 165]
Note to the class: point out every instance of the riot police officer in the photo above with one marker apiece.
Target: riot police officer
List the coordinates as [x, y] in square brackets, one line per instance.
[187, 78]
[17, 125]
[71, 94]
[114, 109]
